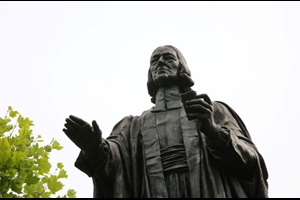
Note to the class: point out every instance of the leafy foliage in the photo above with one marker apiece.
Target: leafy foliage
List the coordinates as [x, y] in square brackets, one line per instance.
[25, 170]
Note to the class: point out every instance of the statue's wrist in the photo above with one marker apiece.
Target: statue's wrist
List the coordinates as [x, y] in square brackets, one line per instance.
[213, 132]
[94, 149]
[219, 137]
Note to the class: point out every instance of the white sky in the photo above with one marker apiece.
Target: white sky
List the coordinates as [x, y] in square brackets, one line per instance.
[91, 59]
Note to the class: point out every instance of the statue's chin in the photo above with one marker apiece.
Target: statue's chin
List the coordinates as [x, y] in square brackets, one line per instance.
[165, 80]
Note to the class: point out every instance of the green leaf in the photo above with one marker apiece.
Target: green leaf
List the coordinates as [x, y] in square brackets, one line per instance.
[5, 150]
[46, 195]
[29, 189]
[24, 122]
[36, 191]
[32, 180]
[4, 185]
[17, 184]
[56, 145]
[48, 148]
[71, 193]
[25, 132]
[11, 162]
[24, 164]
[12, 113]
[44, 165]
[37, 151]
[9, 195]
[45, 179]
[54, 185]
[19, 156]
[62, 174]
[5, 126]
[60, 165]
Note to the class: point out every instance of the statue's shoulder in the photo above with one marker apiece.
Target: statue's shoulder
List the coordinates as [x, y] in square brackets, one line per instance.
[146, 112]
[220, 103]
[222, 107]
[234, 114]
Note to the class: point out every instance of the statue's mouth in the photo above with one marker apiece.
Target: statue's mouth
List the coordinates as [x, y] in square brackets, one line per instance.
[162, 68]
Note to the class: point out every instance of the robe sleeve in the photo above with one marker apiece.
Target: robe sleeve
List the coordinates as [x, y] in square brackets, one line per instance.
[233, 146]
[109, 166]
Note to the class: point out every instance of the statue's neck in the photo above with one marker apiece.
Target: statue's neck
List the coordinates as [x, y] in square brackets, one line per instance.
[167, 98]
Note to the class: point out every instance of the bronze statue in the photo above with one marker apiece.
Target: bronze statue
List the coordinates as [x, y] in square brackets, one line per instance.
[184, 146]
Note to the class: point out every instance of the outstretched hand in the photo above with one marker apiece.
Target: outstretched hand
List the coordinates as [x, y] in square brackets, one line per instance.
[85, 136]
[201, 108]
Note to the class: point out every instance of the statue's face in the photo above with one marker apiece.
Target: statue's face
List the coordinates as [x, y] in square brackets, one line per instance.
[164, 66]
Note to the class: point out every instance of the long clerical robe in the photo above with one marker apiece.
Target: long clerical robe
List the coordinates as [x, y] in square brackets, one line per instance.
[132, 161]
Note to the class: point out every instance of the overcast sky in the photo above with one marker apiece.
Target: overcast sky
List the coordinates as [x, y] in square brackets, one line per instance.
[91, 59]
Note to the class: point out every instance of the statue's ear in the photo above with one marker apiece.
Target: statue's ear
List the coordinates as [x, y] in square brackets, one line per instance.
[152, 88]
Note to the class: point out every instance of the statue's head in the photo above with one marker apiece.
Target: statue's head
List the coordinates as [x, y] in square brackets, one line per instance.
[168, 67]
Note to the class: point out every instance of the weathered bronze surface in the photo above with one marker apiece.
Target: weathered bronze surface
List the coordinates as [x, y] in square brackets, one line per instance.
[184, 146]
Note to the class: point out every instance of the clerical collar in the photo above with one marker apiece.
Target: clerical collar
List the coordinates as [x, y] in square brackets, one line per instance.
[167, 98]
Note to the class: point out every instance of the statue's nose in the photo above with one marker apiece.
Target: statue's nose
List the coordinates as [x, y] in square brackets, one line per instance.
[161, 59]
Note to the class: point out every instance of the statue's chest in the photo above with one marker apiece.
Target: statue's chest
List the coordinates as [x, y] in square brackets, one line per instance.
[168, 127]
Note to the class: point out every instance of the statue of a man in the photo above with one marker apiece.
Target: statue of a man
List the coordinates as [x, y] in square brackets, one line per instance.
[185, 146]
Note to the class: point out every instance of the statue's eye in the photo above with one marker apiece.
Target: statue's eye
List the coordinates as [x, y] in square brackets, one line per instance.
[153, 62]
[169, 58]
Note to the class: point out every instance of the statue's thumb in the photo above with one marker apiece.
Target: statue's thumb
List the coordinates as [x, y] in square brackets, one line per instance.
[96, 128]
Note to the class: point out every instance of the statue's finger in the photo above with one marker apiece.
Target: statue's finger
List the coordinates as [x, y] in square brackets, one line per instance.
[96, 128]
[73, 124]
[206, 98]
[69, 131]
[198, 101]
[196, 108]
[77, 120]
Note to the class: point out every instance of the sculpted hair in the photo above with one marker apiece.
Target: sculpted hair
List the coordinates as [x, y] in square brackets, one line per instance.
[184, 75]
